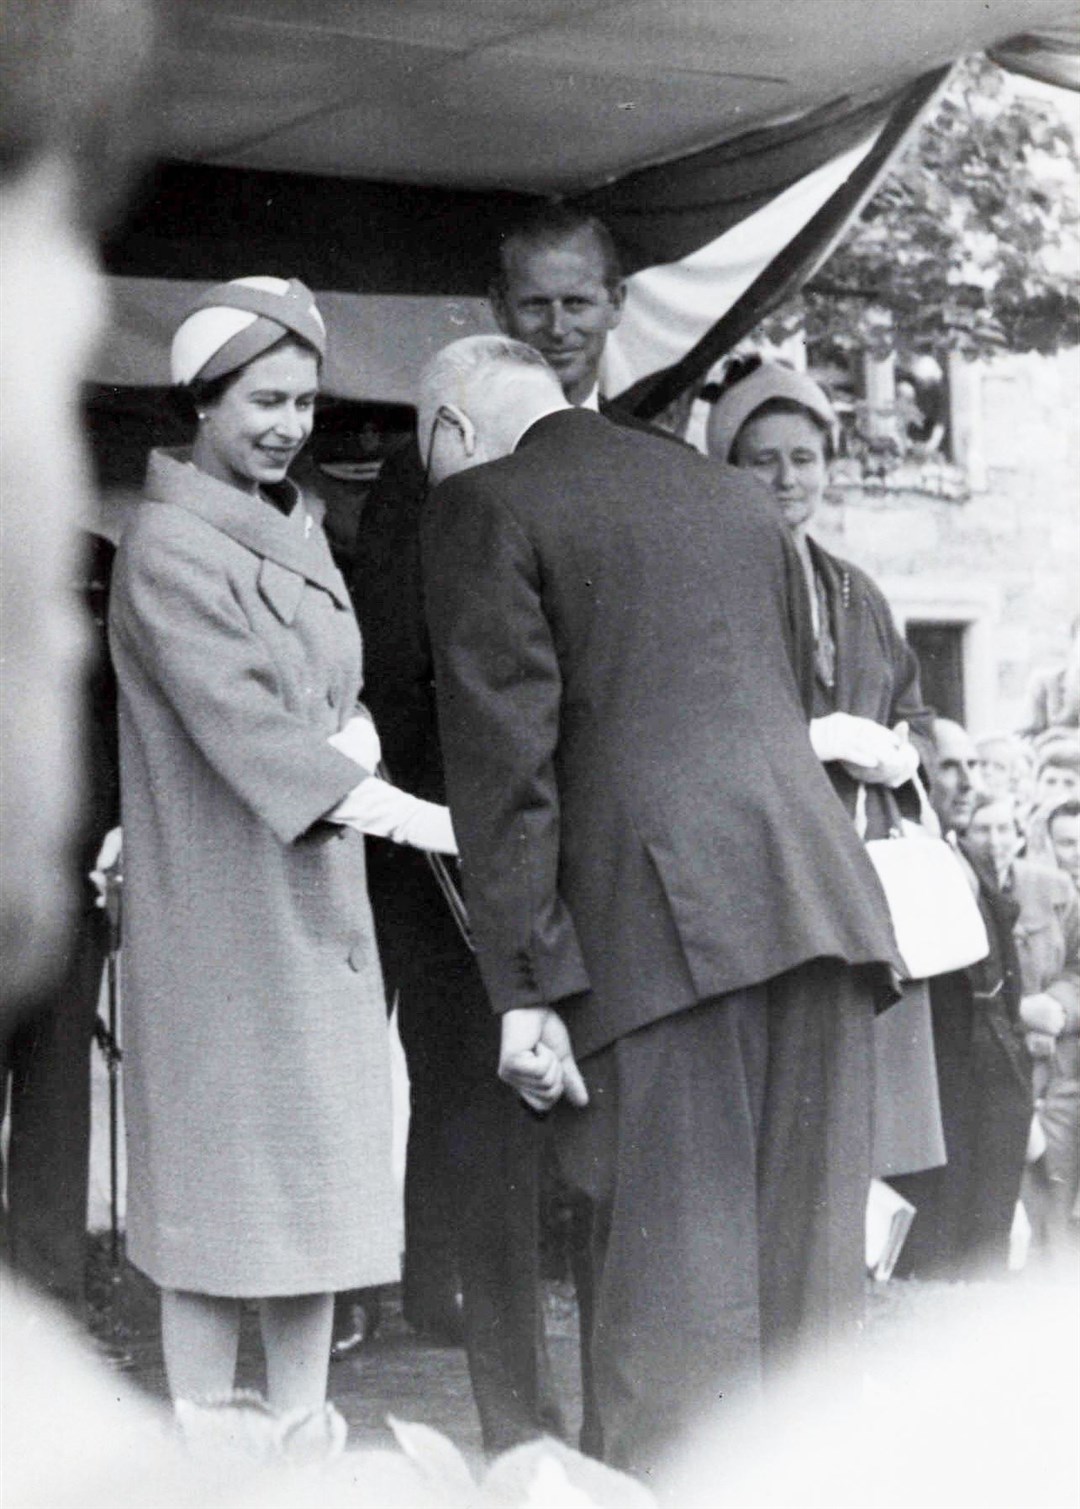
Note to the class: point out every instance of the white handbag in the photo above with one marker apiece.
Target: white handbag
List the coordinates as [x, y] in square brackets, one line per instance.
[935, 914]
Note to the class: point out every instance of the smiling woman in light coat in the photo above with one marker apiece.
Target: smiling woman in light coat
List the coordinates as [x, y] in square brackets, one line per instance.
[256, 1070]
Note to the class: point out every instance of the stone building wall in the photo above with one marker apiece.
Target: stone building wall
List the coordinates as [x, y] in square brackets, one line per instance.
[994, 546]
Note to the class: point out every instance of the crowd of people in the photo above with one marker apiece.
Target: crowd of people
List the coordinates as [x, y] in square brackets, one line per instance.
[621, 682]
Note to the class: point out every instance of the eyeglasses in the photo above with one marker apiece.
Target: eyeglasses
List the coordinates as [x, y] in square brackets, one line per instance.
[441, 413]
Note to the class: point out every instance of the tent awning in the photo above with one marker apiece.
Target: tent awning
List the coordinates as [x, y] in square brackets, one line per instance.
[377, 148]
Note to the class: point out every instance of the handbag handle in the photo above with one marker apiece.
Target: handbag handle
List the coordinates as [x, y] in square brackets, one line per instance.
[928, 818]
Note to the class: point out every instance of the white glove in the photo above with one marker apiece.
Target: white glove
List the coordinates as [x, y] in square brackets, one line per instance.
[385, 811]
[359, 740]
[867, 750]
[902, 768]
[1042, 1013]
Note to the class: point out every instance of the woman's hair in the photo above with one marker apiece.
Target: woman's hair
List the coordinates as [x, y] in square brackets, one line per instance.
[190, 399]
[1070, 807]
[1062, 755]
[551, 225]
[741, 367]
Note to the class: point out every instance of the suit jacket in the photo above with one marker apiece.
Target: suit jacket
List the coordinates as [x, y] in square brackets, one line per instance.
[399, 688]
[623, 667]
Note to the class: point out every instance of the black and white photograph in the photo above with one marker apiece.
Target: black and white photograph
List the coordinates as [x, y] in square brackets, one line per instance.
[539, 754]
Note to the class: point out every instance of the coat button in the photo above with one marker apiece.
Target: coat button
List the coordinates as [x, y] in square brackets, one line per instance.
[358, 957]
[331, 696]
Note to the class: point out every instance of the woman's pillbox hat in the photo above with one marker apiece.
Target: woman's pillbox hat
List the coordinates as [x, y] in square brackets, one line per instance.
[743, 399]
[233, 323]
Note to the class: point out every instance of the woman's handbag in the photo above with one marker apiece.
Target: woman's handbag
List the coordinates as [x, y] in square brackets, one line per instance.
[935, 914]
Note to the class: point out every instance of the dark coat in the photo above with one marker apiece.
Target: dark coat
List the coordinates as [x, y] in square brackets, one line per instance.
[965, 1210]
[877, 677]
[623, 666]
[399, 689]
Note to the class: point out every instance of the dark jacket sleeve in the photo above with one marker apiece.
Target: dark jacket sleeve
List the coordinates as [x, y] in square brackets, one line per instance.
[878, 678]
[908, 705]
[387, 593]
[499, 690]
[996, 981]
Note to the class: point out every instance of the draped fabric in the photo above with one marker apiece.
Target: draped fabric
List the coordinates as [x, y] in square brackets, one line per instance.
[379, 152]
[1051, 56]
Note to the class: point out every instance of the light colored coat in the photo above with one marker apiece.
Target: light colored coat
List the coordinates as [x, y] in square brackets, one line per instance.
[256, 1058]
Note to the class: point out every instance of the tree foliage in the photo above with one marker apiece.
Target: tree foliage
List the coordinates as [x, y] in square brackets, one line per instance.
[973, 242]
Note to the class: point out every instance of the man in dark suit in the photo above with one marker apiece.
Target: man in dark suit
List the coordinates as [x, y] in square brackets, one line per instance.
[673, 914]
[471, 1192]
[964, 1210]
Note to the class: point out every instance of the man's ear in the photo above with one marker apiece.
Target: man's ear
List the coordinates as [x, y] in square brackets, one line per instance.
[450, 414]
[617, 295]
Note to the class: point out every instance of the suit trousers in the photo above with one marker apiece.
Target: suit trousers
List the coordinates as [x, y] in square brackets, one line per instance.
[472, 1186]
[46, 1061]
[726, 1152]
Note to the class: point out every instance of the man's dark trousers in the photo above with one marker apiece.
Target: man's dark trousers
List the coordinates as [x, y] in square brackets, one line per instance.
[472, 1171]
[701, 1141]
[471, 1195]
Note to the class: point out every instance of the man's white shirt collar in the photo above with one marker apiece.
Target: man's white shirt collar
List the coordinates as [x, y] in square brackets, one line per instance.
[555, 409]
[591, 400]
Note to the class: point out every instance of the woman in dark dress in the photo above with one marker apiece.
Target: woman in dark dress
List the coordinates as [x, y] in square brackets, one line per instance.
[870, 727]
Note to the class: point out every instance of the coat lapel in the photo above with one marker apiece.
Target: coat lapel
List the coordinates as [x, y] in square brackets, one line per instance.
[841, 618]
[288, 543]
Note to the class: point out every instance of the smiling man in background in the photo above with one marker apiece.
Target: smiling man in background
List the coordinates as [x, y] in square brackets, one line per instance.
[559, 289]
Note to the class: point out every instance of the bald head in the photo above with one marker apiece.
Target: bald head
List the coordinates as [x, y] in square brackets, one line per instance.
[477, 397]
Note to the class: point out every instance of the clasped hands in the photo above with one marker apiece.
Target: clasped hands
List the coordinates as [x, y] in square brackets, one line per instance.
[536, 1058]
[868, 751]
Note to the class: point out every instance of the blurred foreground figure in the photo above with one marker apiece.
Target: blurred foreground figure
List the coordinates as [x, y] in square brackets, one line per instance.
[45, 1054]
[70, 73]
[67, 75]
[970, 1402]
[75, 1437]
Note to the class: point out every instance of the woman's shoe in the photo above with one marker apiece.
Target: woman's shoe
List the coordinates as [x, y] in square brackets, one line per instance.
[357, 1316]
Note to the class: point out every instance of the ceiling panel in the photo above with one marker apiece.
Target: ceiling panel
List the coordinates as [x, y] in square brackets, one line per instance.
[537, 95]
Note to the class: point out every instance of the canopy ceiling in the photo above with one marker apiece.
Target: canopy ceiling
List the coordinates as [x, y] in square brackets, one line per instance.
[540, 96]
[377, 148]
